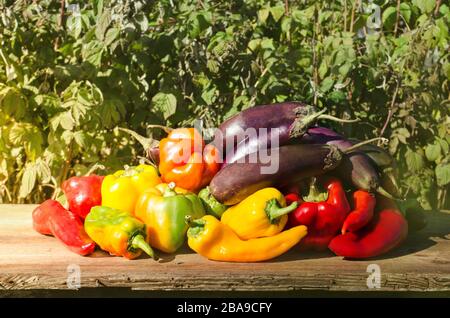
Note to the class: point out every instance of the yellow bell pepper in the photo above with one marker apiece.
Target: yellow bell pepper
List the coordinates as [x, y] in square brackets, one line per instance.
[216, 241]
[117, 232]
[122, 189]
[261, 214]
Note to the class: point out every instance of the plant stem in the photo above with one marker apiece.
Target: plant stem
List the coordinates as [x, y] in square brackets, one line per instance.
[397, 18]
[60, 22]
[391, 110]
[438, 5]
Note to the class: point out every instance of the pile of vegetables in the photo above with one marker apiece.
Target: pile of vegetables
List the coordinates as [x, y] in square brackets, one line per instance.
[327, 192]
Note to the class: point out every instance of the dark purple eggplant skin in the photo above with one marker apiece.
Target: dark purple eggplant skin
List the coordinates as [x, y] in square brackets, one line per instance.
[236, 181]
[380, 157]
[356, 167]
[153, 155]
[279, 116]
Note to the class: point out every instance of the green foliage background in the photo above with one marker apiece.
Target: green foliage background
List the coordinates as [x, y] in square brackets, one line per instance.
[69, 78]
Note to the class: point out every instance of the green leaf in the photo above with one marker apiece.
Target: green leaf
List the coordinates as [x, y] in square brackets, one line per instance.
[164, 104]
[254, 44]
[263, 14]
[80, 139]
[74, 25]
[67, 137]
[28, 181]
[14, 104]
[414, 161]
[433, 151]
[405, 11]
[103, 24]
[389, 17]
[277, 12]
[64, 119]
[426, 6]
[443, 174]
[43, 171]
[111, 36]
[323, 69]
[326, 84]
[402, 134]
[444, 145]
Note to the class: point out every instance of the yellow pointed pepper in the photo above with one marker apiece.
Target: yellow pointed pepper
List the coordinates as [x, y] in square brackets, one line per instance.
[122, 189]
[261, 214]
[216, 241]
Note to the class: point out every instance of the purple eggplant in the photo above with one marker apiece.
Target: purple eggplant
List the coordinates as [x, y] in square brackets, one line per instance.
[356, 167]
[238, 180]
[379, 156]
[288, 120]
[153, 155]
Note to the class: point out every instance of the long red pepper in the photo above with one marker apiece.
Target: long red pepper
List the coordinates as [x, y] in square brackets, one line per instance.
[83, 193]
[386, 231]
[364, 204]
[51, 218]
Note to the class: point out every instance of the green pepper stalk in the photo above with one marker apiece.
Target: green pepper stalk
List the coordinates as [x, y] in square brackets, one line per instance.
[212, 206]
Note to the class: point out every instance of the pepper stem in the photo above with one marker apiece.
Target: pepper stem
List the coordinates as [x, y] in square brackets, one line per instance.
[314, 194]
[362, 143]
[139, 242]
[170, 191]
[195, 225]
[274, 210]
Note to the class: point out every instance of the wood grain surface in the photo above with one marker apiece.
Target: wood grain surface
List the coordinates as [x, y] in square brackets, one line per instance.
[31, 261]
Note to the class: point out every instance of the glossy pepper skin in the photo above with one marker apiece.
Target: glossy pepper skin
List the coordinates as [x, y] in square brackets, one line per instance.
[164, 209]
[386, 231]
[364, 204]
[51, 218]
[117, 232]
[322, 213]
[262, 214]
[186, 161]
[122, 189]
[212, 206]
[83, 193]
[216, 241]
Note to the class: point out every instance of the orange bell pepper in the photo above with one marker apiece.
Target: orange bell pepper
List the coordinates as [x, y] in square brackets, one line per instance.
[186, 161]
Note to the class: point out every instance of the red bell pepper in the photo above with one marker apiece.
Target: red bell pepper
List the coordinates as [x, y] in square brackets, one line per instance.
[322, 213]
[51, 218]
[363, 211]
[83, 193]
[386, 231]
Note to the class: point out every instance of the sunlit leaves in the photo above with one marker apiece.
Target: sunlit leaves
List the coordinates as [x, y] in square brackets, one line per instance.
[164, 104]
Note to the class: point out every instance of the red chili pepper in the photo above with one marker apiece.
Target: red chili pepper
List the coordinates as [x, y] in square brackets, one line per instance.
[322, 213]
[362, 214]
[386, 231]
[83, 193]
[51, 218]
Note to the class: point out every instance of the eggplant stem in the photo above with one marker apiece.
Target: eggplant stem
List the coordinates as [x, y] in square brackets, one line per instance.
[362, 143]
[308, 116]
[336, 119]
[383, 192]
[165, 128]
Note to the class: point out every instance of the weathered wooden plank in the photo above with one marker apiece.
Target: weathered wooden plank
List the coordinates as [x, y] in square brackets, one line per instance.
[31, 261]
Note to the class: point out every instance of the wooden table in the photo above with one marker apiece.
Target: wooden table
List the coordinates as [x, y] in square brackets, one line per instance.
[30, 261]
